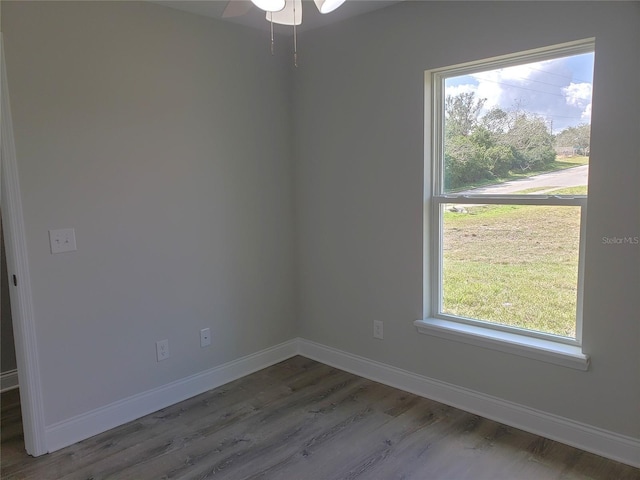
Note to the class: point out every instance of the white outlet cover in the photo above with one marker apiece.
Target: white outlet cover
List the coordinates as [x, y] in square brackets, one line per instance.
[62, 240]
[205, 337]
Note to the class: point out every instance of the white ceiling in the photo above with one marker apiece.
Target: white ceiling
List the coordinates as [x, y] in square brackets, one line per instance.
[255, 17]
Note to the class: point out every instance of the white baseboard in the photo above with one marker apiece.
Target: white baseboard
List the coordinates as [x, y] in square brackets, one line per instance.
[8, 380]
[586, 437]
[83, 426]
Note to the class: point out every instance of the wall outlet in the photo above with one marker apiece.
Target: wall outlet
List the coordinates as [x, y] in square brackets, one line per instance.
[162, 350]
[62, 240]
[205, 337]
[378, 331]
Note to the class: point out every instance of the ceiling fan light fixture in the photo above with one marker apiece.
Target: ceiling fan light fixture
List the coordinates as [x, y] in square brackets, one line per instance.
[269, 5]
[291, 14]
[326, 6]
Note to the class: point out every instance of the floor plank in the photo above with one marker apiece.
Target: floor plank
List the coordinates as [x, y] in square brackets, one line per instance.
[301, 419]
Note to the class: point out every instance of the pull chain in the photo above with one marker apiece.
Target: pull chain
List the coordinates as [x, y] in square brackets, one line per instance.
[271, 22]
[295, 37]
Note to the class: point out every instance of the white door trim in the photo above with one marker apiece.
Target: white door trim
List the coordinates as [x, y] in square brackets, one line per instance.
[24, 328]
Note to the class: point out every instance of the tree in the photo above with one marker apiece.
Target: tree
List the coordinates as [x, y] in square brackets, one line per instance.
[464, 162]
[461, 113]
[496, 120]
[531, 141]
[487, 147]
[578, 137]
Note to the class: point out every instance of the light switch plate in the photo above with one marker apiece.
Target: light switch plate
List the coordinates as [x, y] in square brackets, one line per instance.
[62, 240]
[162, 350]
[378, 331]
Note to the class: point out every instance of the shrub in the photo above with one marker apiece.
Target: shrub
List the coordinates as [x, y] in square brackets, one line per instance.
[465, 163]
[500, 159]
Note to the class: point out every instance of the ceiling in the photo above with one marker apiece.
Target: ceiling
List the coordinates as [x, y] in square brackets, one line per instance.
[255, 17]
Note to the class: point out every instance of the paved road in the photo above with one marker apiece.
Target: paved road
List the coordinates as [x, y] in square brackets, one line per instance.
[570, 177]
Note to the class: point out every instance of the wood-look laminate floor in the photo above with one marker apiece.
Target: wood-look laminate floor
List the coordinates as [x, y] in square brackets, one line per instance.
[302, 420]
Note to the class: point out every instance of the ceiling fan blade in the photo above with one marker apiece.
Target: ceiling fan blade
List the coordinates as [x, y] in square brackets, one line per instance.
[235, 8]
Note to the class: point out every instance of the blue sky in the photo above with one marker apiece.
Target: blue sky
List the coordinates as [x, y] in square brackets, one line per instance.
[558, 90]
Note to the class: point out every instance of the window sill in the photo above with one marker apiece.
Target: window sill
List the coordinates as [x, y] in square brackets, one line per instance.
[570, 356]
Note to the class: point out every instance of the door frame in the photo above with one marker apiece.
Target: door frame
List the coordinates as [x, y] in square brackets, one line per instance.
[24, 328]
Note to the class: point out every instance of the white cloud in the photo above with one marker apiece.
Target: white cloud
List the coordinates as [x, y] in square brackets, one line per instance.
[586, 113]
[578, 94]
[547, 89]
[508, 86]
[491, 90]
[455, 90]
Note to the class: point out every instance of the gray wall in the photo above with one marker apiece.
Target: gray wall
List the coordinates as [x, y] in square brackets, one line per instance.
[359, 109]
[163, 138]
[7, 347]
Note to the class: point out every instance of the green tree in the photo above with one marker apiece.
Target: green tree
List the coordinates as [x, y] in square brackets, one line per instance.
[500, 160]
[464, 162]
[496, 120]
[578, 137]
[531, 142]
[461, 113]
[489, 147]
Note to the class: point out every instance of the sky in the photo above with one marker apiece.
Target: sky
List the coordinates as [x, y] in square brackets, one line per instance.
[558, 90]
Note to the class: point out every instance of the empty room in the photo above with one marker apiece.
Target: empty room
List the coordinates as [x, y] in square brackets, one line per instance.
[399, 239]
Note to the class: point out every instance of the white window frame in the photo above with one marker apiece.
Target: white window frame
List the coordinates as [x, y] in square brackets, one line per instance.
[528, 343]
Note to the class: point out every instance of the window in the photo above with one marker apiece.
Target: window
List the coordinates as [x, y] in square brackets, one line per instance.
[507, 150]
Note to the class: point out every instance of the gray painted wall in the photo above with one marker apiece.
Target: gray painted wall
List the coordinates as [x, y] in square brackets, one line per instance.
[163, 138]
[359, 115]
[7, 347]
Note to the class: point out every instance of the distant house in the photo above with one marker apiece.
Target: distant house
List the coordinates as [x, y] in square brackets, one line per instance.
[570, 151]
[566, 151]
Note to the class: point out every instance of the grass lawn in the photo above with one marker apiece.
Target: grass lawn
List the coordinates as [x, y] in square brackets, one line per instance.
[572, 161]
[514, 265]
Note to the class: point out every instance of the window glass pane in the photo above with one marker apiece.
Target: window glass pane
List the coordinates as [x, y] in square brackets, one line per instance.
[523, 129]
[514, 265]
